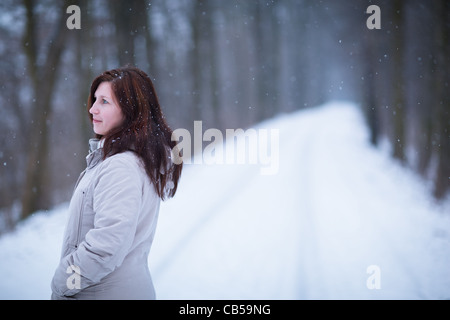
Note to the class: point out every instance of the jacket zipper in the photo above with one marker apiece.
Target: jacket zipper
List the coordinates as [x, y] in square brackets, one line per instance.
[80, 220]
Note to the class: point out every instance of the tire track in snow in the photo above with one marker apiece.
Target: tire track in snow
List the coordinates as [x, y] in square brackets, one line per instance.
[345, 237]
[301, 140]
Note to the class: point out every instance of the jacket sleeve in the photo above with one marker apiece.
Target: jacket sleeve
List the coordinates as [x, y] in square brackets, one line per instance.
[116, 201]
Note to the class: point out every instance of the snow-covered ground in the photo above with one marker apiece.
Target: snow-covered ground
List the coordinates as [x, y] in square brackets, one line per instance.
[339, 220]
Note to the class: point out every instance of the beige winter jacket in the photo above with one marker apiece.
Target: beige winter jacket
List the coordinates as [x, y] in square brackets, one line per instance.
[112, 220]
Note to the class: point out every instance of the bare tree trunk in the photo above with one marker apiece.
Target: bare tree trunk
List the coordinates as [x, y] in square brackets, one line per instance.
[143, 23]
[35, 191]
[84, 50]
[197, 23]
[370, 101]
[442, 181]
[214, 67]
[131, 21]
[398, 116]
[266, 61]
[122, 16]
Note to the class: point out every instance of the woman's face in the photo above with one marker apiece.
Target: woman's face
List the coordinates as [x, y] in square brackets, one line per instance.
[106, 113]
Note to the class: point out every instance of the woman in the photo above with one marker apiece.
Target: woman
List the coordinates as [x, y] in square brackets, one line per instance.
[114, 208]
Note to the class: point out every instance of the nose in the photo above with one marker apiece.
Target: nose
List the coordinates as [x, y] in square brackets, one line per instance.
[94, 109]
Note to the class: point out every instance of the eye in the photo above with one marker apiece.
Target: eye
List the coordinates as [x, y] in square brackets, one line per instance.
[104, 101]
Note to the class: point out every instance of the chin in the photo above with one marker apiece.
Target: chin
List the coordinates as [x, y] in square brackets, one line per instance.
[97, 131]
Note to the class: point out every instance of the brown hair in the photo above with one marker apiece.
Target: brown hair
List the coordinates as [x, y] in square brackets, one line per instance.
[144, 129]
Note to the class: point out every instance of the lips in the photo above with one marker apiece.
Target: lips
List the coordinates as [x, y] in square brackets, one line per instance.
[96, 120]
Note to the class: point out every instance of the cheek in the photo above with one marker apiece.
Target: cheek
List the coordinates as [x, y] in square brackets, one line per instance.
[116, 118]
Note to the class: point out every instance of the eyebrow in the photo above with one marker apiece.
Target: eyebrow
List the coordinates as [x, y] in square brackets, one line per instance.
[102, 96]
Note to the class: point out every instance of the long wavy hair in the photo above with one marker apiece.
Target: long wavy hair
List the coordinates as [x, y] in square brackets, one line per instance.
[144, 130]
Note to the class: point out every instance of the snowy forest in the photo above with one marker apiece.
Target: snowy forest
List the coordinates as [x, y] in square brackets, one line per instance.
[230, 64]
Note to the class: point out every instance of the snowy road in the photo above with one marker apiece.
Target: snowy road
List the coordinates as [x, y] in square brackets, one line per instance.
[335, 208]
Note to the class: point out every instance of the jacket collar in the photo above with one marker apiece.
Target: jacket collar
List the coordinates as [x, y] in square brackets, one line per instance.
[95, 152]
[95, 144]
